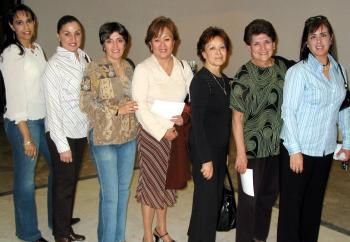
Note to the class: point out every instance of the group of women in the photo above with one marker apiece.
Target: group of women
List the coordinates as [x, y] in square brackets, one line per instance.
[284, 125]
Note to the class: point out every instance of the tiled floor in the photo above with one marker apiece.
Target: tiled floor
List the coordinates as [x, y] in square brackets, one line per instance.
[86, 209]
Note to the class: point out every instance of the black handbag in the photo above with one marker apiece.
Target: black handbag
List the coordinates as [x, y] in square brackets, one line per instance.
[228, 209]
[346, 102]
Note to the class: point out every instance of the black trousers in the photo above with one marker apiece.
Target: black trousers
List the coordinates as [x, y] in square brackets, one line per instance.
[301, 198]
[254, 213]
[207, 197]
[65, 177]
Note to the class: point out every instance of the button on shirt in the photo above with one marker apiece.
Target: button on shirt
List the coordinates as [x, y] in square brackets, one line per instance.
[61, 80]
[310, 109]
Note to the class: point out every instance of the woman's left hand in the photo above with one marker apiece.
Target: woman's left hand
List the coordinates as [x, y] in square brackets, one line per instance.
[178, 120]
[128, 108]
[345, 152]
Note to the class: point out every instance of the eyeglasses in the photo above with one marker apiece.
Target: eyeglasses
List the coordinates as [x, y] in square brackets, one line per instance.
[315, 18]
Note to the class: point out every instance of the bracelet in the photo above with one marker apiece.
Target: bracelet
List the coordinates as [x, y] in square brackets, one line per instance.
[28, 143]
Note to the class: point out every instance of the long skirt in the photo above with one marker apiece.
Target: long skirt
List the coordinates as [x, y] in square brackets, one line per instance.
[153, 161]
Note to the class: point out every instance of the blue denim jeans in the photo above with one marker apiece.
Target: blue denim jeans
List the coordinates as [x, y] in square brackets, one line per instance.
[114, 165]
[24, 173]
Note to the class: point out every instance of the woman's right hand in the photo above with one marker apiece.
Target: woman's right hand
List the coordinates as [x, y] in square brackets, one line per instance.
[128, 108]
[241, 163]
[66, 156]
[297, 163]
[29, 149]
[170, 134]
[207, 170]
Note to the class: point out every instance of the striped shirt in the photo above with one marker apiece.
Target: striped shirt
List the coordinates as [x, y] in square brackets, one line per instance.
[61, 80]
[310, 109]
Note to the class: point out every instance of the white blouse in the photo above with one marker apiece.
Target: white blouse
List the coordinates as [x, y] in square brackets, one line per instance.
[150, 82]
[61, 81]
[22, 73]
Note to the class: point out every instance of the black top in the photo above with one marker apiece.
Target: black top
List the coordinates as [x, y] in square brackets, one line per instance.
[211, 114]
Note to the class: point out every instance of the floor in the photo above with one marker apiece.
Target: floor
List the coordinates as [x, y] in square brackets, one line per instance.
[335, 219]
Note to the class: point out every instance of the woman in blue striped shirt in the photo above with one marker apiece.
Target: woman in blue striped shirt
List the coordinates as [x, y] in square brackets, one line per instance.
[313, 93]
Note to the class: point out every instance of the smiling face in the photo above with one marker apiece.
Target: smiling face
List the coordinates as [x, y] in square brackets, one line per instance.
[261, 50]
[70, 36]
[24, 26]
[319, 42]
[215, 53]
[162, 45]
[114, 47]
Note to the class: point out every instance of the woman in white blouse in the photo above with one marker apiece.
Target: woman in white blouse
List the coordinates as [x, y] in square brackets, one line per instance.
[22, 63]
[67, 126]
[160, 77]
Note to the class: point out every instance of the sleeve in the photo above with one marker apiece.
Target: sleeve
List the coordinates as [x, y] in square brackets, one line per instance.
[292, 96]
[199, 92]
[54, 119]
[13, 74]
[344, 121]
[89, 92]
[140, 92]
[240, 92]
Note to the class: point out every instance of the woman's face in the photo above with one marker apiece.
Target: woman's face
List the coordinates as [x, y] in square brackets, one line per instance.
[215, 52]
[114, 46]
[70, 36]
[24, 26]
[261, 50]
[162, 45]
[319, 42]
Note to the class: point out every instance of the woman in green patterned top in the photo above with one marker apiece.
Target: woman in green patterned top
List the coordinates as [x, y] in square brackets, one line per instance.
[256, 99]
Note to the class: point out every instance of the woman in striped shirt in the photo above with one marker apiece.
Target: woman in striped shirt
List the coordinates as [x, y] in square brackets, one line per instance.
[67, 126]
[313, 93]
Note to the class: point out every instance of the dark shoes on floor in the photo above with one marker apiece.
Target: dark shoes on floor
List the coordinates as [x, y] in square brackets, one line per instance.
[74, 221]
[41, 240]
[72, 237]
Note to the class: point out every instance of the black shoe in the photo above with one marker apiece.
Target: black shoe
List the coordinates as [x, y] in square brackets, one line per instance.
[157, 236]
[75, 237]
[41, 240]
[74, 221]
[62, 239]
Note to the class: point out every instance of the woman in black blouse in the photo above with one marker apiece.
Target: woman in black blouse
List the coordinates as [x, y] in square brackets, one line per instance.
[211, 122]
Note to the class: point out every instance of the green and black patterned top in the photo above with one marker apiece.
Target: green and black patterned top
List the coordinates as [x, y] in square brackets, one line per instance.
[257, 93]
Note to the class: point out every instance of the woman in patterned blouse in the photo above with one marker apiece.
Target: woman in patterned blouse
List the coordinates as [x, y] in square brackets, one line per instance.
[106, 99]
[256, 100]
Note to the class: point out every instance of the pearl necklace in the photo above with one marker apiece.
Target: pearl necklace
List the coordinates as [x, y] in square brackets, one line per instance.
[223, 88]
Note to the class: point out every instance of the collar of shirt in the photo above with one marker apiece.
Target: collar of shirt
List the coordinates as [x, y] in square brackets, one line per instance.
[317, 66]
[71, 55]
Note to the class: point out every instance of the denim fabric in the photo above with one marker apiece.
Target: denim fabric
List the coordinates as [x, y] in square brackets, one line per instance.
[114, 165]
[24, 173]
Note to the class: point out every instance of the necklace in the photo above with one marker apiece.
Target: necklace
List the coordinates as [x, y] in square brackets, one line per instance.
[222, 87]
[324, 65]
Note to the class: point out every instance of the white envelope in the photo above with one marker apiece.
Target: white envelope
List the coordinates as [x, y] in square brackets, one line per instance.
[167, 109]
[341, 156]
[247, 182]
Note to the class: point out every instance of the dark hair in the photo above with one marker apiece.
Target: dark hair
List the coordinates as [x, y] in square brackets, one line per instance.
[65, 20]
[311, 25]
[157, 26]
[109, 28]
[207, 35]
[259, 26]
[9, 35]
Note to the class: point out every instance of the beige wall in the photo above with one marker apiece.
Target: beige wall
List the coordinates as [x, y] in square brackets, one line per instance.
[192, 17]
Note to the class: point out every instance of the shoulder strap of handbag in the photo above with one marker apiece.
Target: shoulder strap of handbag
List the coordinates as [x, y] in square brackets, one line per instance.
[342, 74]
[229, 178]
